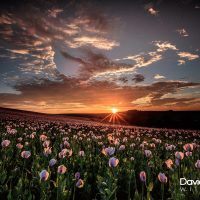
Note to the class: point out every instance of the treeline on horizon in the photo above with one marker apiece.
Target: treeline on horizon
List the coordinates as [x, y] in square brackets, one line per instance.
[165, 119]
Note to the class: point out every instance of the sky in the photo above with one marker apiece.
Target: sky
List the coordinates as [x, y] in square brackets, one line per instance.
[89, 56]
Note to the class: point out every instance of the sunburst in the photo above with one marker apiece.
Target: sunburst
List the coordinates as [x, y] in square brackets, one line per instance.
[114, 117]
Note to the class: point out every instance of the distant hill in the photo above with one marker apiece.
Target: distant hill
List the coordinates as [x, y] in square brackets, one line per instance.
[14, 114]
[154, 119]
[164, 119]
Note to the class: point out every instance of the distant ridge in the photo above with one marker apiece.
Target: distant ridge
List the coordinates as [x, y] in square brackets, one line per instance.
[22, 111]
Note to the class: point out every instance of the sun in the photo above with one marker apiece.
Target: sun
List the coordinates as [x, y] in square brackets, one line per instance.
[115, 117]
[114, 110]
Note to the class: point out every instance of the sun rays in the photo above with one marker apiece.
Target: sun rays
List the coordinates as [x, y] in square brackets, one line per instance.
[115, 117]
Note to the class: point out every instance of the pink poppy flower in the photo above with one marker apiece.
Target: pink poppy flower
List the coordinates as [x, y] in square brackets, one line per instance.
[162, 178]
[188, 147]
[113, 162]
[148, 153]
[80, 183]
[19, 146]
[197, 164]
[52, 162]
[169, 163]
[179, 155]
[143, 176]
[5, 143]
[25, 154]
[61, 169]
[44, 174]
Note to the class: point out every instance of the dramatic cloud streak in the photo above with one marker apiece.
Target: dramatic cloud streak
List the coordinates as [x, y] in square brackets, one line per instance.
[158, 76]
[54, 94]
[95, 64]
[164, 46]
[98, 42]
[188, 56]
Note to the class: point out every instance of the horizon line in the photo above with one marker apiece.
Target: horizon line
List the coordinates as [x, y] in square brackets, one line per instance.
[89, 113]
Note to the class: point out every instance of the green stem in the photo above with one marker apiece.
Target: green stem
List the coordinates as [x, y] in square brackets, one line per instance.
[129, 186]
[74, 191]
[58, 187]
[23, 178]
[135, 180]
[163, 189]
[115, 194]
[142, 191]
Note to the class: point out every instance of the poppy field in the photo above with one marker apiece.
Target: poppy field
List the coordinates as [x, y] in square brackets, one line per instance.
[43, 159]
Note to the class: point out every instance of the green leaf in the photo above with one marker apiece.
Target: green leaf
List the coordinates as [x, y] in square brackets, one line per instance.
[150, 186]
[3, 177]
[136, 196]
[107, 191]
[9, 196]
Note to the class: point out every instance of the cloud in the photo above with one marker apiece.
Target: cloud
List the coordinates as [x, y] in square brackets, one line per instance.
[54, 95]
[174, 102]
[93, 27]
[31, 35]
[151, 9]
[158, 76]
[72, 58]
[157, 97]
[54, 12]
[143, 60]
[163, 87]
[182, 32]
[93, 20]
[20, 51]
[28, 44]
[163, 46]
[138, 78]
[95, 64]
[143, 101]
[181, 62]
[188, 56]
[97, 42]
[5, 19]
[123, 79]
[146, 59]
